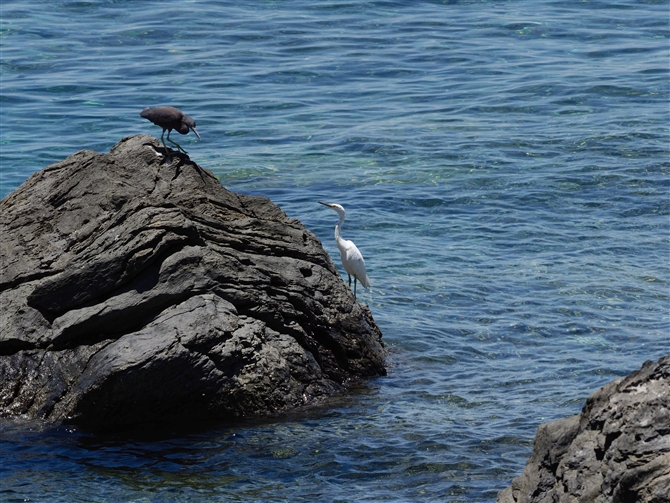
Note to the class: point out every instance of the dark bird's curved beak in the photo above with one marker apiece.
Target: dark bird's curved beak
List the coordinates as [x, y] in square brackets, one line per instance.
[196, 133]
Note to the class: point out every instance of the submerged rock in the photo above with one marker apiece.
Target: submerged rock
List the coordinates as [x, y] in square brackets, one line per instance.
[132, 290]
[617, 450]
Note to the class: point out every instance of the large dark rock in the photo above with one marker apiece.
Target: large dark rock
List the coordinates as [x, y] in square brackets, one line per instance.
[132, 290]
[617, 450]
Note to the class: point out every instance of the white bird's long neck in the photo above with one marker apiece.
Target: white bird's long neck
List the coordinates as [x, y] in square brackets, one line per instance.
[338, 229]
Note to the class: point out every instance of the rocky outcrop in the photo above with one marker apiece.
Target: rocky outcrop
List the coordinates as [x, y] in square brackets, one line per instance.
[136, 290]
[617, 450]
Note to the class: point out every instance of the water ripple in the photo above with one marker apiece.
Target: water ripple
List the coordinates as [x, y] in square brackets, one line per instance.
[505, 172]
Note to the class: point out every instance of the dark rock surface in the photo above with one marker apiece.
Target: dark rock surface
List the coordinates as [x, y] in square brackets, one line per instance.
[132, 290]
[617, 450]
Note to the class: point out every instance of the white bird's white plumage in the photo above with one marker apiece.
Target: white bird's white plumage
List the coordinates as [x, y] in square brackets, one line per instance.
[352, 260]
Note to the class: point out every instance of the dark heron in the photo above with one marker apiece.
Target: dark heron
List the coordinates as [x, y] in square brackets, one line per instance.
[170, 118]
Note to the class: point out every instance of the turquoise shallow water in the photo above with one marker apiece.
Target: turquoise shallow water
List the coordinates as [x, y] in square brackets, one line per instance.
[505, 170]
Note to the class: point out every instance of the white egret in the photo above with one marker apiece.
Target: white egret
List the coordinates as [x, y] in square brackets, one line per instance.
[352, 260]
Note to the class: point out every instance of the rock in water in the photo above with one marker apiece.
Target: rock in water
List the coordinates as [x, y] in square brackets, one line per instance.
[134, 291]
[616, 451]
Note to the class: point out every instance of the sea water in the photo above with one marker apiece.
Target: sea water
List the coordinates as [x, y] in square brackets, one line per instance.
[505, 170]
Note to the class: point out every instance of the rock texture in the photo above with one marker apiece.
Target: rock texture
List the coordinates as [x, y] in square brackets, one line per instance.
[617, 450]
[132, 290]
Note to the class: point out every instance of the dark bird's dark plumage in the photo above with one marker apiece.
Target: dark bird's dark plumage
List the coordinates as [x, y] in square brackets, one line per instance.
[170, 118]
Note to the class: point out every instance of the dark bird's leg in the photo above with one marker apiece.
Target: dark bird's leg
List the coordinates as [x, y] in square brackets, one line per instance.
[175, 143]
[167, 160]
[349, 276]
[354, 287]
[163, 141]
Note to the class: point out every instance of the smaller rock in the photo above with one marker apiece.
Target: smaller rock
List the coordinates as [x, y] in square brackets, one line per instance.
[617, 450]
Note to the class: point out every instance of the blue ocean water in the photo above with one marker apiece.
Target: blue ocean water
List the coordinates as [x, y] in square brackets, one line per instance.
[505, 169]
